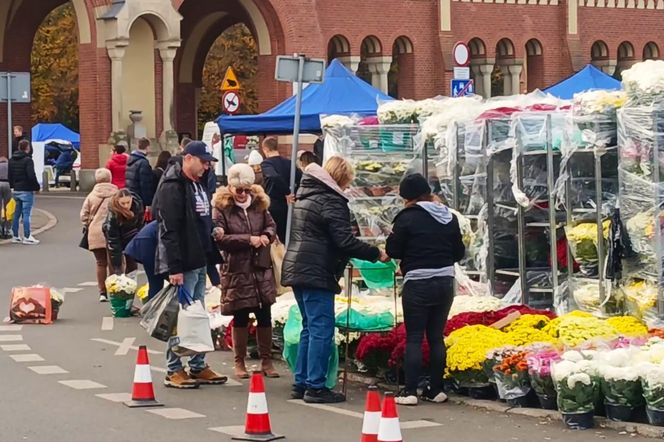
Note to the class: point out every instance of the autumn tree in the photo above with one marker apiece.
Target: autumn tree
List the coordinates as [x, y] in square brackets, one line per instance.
[235, 47]
[55, 69]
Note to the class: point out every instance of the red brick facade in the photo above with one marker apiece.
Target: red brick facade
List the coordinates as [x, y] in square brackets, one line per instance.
[414, 32]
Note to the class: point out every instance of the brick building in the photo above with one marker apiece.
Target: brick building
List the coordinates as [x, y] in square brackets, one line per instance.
[148, 55]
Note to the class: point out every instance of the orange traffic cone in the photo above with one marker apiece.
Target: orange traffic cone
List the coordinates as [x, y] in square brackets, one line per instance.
[371, 420]
[143, 393]
[389, 429]
[257, 426]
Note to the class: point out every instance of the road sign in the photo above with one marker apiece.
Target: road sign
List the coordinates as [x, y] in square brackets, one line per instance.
[19, 85]
[230, 81]
[462, 88]
[287, 69]
[461, 54]
[462, 73]
[231, 102]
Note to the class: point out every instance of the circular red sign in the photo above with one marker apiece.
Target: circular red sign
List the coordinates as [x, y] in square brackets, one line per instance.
[461, 54]
[231, 102]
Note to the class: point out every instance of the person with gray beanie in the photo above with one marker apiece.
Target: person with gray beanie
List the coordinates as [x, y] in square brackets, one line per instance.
[426, 237]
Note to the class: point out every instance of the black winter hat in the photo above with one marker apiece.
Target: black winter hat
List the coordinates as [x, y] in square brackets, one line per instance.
[414, 186]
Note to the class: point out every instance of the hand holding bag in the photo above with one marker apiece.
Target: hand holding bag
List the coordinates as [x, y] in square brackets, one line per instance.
[160, 314]
[194, 334]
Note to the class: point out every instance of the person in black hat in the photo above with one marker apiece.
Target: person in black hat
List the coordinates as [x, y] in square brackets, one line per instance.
[184, 216]
[427, 239]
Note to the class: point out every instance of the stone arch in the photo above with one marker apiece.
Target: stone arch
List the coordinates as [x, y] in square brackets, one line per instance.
[502, 82]
[505, 49]
[402, 45]
[626, 58]
[534, 65]
[338, 46]
[480, 67]
[599, 51]
[402, 70]
[477, 48]
[158, 24]
[189, 54]
[651, 51]
[533, 47]
[371, 46]
[83, 21]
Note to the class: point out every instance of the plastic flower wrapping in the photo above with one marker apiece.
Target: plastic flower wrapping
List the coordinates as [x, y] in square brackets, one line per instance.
[539, 370]
[652, 382]
[598, 102]
[641, 300]
[576, 385]
[621, 384]
[582, 240]
[512, 376]
[121, 287]
[644, 83]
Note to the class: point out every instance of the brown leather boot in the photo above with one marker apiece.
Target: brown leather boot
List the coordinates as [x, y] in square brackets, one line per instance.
[264, 339]
[240, 339]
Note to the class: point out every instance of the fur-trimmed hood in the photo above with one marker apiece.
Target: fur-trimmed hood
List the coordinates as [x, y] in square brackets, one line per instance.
[223, 198]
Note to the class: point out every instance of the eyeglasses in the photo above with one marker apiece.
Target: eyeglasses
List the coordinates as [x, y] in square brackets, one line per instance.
[241, 190]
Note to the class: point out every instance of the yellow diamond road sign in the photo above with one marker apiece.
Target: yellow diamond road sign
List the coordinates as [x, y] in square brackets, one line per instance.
[230, 81]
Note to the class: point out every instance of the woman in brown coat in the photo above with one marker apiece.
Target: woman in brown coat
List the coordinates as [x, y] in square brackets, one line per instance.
[93, 215]
[244, 231]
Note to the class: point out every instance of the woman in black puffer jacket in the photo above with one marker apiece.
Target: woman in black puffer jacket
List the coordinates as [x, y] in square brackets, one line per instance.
[124, 220]
[320, 246]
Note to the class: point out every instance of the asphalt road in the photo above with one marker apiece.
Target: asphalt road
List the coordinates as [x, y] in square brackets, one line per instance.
[81, 347]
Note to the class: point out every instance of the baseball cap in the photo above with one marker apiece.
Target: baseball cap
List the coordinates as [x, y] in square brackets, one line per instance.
[199, 149]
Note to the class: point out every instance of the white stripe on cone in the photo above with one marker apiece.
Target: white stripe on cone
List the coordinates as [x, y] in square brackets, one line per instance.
[142, 374]
[371, 422]
[389, 431]
[257, 404]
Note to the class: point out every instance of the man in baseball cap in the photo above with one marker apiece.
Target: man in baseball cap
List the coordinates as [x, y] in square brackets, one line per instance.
[200, 150]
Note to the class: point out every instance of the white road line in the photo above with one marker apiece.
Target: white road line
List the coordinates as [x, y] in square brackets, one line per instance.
[115, 397]
[15, 347]
[107, 323]
[48, 369]
[82, 384]
[175, 413]
[10, 328]
[412, 425]
[10, 338]
[125, 346]
[158, 369]
[88, 284]
[30, 357]
[232, 430]
[71, 290]
[117, 344]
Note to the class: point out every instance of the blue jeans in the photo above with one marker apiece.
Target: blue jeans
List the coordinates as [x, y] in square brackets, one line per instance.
[24, 201]
[313, 354]
[194, 282]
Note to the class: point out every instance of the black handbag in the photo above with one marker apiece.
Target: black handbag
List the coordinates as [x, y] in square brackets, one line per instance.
[84, 243]
[261, 258]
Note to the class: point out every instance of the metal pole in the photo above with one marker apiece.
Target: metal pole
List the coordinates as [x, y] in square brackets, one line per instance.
[553, 222]
[601, 258]
[296, 142]
[491, 210]
[655, 186]
[9, 114]
[521, 228]
[224, 179]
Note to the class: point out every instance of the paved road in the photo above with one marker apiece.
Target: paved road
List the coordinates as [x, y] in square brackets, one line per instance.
[50, 407]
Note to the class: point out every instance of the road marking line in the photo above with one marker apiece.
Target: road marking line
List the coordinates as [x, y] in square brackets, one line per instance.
[124, 348]
[15, 347]
[88, 284]
[115, 397]
[10, 338]
[31, 357]
[408, 425]
[117, 344]
[10, 328]
[232, 430]
[107, 323]
[48, 369]
[82, 384]
[175, 413]
[71, 290]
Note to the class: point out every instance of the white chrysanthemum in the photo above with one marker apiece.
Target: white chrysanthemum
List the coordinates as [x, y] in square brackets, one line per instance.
[563, 369]
[619, 373]
[578, 378]
[619, 357]
[572, 356]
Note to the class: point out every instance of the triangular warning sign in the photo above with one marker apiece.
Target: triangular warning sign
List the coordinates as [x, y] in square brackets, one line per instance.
[230, 82]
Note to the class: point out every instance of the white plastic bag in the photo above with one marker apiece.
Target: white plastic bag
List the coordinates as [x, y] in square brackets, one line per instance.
[193, 330]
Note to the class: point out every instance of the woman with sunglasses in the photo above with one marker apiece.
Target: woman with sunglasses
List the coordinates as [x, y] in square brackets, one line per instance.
[244, 231]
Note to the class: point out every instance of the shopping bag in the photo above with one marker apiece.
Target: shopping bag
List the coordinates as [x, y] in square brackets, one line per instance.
[160, 314]
[277, 253]
[194, 335]
[31, 305]
[10, 208]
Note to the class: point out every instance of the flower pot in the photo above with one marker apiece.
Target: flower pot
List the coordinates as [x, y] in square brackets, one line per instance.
[579, 421]
[547, 402]
[485, 393]
[620, 413]
[655, 417]
[121, 308]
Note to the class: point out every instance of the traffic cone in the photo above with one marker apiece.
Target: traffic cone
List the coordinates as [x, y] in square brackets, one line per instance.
[257, 426]
[143, 393]
[371, 420]
[389, 429]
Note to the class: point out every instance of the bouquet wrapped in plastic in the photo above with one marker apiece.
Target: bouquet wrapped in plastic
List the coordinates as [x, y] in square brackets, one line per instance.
[121, 290]
[512, 378]
[539, 369]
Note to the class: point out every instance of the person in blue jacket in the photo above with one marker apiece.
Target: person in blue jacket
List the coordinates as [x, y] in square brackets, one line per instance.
[142, 249]
[139, 177]
[63, 165]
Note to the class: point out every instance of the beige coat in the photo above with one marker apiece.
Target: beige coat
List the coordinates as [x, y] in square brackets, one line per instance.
[96, 204]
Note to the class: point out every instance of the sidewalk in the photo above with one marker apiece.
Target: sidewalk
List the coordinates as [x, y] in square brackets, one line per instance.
[41, 221]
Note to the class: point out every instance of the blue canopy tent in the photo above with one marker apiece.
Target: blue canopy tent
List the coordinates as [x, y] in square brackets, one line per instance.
[586, 79]
[44, 132]
[340, 93]
[48, 141]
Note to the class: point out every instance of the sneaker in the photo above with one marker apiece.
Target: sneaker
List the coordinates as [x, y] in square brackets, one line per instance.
[31, 241]
[323, 396]
[406, 398]
[430, 396]
[103, 297]
[207, 376]
[16, 240]
[297, 392]
[180, 379]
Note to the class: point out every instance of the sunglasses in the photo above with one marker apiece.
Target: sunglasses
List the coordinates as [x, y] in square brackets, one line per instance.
[241, 190]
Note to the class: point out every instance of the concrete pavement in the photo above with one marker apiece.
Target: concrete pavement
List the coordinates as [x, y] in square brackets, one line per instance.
[60, 382]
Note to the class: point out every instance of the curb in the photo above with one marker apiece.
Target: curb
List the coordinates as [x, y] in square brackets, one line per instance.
[52, 221]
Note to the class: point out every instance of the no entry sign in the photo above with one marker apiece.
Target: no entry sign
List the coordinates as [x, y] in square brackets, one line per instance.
[231, 102]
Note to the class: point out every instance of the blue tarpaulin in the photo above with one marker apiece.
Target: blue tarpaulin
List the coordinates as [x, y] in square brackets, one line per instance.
[47, 131]
[587, 78]
[340, 93]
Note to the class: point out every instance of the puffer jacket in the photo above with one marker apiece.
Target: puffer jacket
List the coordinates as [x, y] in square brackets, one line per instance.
[94, 213]
[139, 177]
[119, 234]
[21, 173]
[321, 241]
[247, 280]
[117, 164]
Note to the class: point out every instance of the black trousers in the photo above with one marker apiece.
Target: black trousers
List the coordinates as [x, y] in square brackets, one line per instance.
[426, 305]
[263, 316]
